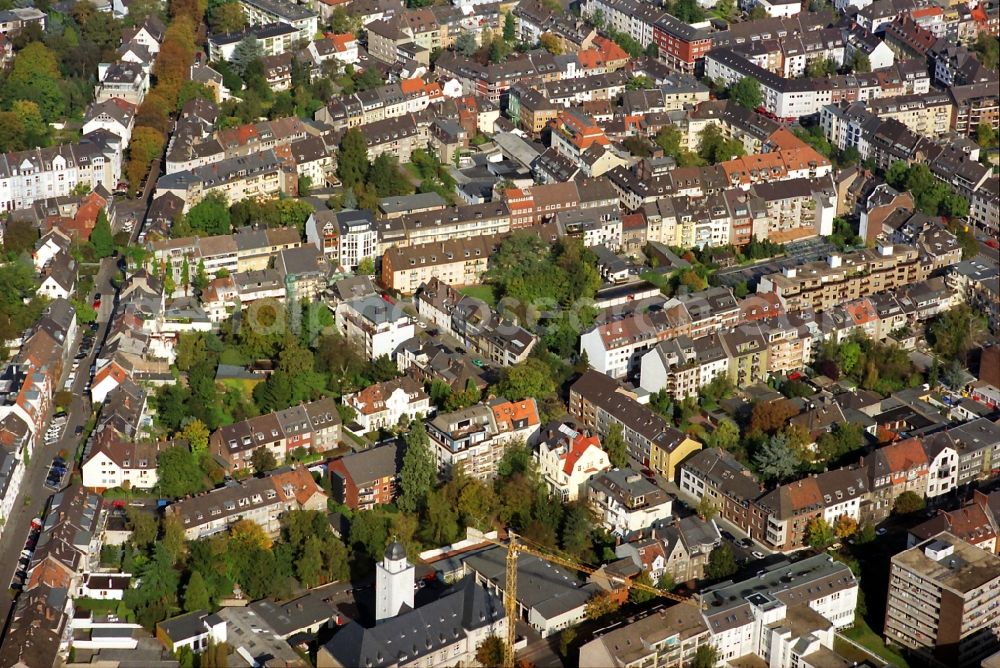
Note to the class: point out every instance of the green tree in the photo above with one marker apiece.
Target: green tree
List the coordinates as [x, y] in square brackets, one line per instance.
[531, 378]
[706, 656]
[747, 93]
[101, 238]
[201, 279]
[908, 503]
[309, 565]
[352, 158]
[388, 180]
[706, 509]
[639, 595]
[819, 534]
[509, 27]
[601, 605]
[85, 313]
[226, 17]
[725, 436]
[492, 652]
[210, 216]
[465, 43]
[143, 526]
[418, 473]
[441, 518]
[956, 331]
[179, 473]
[262, 459]
[614, 444]
[688, 11]
[246, 53]
[196, 595]
[196, 434]
[186, 274]
[775, 461]
[860, 63]
[721, 563]
[987, 47]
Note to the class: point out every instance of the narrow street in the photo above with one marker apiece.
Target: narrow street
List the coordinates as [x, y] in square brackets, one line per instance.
[33, 496]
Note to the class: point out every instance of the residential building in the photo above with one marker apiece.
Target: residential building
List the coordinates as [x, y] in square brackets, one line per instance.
[843, 277]
[942, 601]
[600, 403]
[266, 12]
[121, 464]
[787, 612]
[261, 500]
[893, 469]
[363, 480]
[375, 324]
[475, 438]
[669, 638]
[717, 476]
[314, 425]
[567, 459]
[780, 518]
[383, 405]
[626, 501]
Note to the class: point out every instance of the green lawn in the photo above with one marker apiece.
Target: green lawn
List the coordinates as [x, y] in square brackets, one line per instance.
[662, 281]
[484, 292]
[863, 635]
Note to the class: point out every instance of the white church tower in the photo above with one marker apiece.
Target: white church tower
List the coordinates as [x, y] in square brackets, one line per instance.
[394, 583]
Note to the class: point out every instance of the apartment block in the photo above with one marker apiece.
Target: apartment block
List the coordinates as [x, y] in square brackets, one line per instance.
[475, 438]
[600, 402]
[822, 285]
[942, 601]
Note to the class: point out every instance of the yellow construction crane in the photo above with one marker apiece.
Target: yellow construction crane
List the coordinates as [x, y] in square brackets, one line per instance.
[510, 586]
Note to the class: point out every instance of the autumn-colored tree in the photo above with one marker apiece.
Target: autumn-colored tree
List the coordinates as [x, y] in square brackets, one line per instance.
[491, 652]
[250, 533]
[845, 527]
[770, 416]
[154, 112]
[601, 605]
[196, 434]
[551, 43]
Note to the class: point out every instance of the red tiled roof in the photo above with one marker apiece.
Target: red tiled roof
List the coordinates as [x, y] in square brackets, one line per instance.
[577, 448]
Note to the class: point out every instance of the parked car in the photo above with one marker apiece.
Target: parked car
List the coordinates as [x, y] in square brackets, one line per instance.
[757, 555]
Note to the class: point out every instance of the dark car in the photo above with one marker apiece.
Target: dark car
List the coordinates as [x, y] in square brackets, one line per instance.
[728, 536]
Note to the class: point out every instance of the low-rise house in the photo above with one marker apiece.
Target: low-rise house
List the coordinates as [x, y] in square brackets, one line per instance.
[121, 464]
[193, 630]
[123, 80]
[626, 501]
[382, 405]
[363, 480]
[567, 459]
